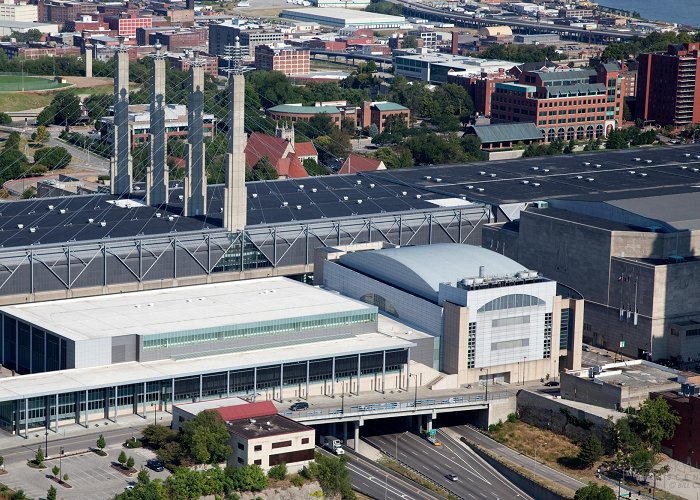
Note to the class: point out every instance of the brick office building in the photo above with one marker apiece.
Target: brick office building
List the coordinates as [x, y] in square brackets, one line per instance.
[566, 104]
[289, 60]
[126, 23]
[667, 90]
[58, 11]
[684, 446]
[480, 87]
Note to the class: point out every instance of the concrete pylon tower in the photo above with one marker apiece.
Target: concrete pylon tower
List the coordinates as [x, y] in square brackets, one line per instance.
[121, 169]
[235, 195]
[157, 177]
[88, 61]
[195, 176]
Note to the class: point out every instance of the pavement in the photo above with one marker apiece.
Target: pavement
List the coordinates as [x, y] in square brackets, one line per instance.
[375, 482]
[81, 157]
[553, 476]
[476, 479]
[91, 476]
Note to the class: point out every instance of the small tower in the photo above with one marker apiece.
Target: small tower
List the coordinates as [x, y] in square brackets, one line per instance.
[285, 132]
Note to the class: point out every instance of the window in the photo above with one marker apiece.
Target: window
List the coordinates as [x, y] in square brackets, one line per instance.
[509, 344]
[240, 460]
[692, 333]
[517, 320]
[304, 440]
[512, 301]
[240, 446]
[547, 351]
[281, 444]
[471, 346]
[257, 447]
[258, 462]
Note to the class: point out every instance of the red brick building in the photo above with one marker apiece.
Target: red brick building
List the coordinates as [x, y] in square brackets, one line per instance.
[285, 154]
[667, 90]
[288, 60]
[566, 104]
[173, 39]
[183, 63]
[480, 87]
[684, 446]
[59, 11]
[126, 23]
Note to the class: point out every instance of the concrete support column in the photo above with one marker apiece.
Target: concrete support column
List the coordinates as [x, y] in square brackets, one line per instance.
[157, 176]
[281, 381]
[121, 166]
[408, 370]
[228, 383]
[359, 375]
[172, 394]
[383, 372]
[333, 377]
[356, 442]
[195, 195]
[116, 402]
[144, 400]
[201, 383]
[429, 422]
[308, 372]
[345, 433]
[56, 415]
[88, 61]
[235, 197]
[255, 383]
[26, 418]
[87, 404]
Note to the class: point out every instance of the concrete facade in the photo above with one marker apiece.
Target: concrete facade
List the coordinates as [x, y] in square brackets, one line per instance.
[235, 194]
[157, 175]
[195, 196]
[636, 282]
[121, 166]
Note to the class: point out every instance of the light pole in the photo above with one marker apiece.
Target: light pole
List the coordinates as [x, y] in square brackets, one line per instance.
[342, 403]
[155, 412]
[524, 368]
[46, 443]
[60, 462]
[486, 398]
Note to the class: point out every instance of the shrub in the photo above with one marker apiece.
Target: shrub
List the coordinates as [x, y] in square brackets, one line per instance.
[133, 443]
[65, 477]
[130, 462]
[55, 470]
[512, 418]
[278, 472]
[122, 458]
[298, 481]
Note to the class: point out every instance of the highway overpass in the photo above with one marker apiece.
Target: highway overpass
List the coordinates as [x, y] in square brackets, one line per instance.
[518, 25]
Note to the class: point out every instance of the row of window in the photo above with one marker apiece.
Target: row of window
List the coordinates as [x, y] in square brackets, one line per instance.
[547, 352]
[217, 334]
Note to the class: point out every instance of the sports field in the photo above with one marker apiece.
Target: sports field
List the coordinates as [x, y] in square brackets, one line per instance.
[14, 82]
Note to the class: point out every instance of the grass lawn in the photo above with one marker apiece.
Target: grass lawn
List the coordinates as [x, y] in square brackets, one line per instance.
[12, 83]
[18, 101]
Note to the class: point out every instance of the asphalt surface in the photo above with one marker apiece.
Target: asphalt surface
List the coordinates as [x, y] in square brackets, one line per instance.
[81, 157]
[553, 476]
[476, 479]
[375, 482]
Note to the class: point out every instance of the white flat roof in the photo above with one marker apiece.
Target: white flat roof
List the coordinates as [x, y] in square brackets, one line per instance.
[182, 308]
[81, 379]
[349, 16]
[213, 404]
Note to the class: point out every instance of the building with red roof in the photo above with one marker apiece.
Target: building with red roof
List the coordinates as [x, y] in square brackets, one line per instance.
[284, 153]
[356, 163]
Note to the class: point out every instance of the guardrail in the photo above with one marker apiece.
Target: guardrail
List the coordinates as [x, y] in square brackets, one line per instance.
[395, 406]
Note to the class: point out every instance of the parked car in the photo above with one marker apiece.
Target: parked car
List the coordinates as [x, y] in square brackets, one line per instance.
[299, 405]
[451, 477]
[551, 383]
[156, 465]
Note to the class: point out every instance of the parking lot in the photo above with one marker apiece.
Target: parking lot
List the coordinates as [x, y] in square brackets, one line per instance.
[91, 476]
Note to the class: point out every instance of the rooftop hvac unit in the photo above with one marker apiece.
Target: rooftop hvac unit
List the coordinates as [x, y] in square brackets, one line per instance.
[427, 177]
[171, 218]
[586, 164]
[481, 190]
[255, 195]
[90, 221]
[632, 172]
[103, 223]
[534, 168]
[63, 210]
[298, 207]
[482, 173]
[684, 167]
[50, 207]
[313, 190]
[647, 161]
[438, 179]
[687, 155]
[285, 203]
[536, 184]
[359, 182]
[418, 197]
[345, 198]
[492, 175]
[637, 159]
[359, 202]
[597, 165]
[470, 186]
[158, 215]
[180, 197]
[301, 186]
[371, 186]
[545, 170]
[525, 182]
[404, 193]
[32, 230]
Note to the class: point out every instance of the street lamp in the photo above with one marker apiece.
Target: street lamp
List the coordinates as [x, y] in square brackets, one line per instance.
[524, 368]
[46, 443]
[342, 403]
[486, 398]
[60, 464]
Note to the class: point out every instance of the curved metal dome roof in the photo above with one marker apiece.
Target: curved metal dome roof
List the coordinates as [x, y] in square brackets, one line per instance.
[421, 269]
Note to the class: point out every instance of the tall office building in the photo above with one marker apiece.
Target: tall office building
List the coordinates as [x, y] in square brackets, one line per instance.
[667, 92]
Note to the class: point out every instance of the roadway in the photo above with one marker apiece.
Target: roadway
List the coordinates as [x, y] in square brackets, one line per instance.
[469, 19]
[476, 479]
[554, 476]
[81, 157]
[375, 482]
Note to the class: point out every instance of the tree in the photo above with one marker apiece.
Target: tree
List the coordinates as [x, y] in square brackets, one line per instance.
[39, 456]
[55, 471]
[158, 435]
[247, 478]
[42, 134]
[595, 492]
[5, 119]
[313, 168]
[205, 438]
[396, 157]
[130, 462]
[51, 494]
[122, 458]
[373, 130]
[333, 475]
[47, 115]
[97, 105]
[278, 472]
[13, 141]
[101, 443]
[142, 477]
[2, 462]
[657, 420]
[53, 157]
[409, 42]
[28, 193]
[263, 170]
[591, 450]
[67, 106]
[66, 477]
[185, 484]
